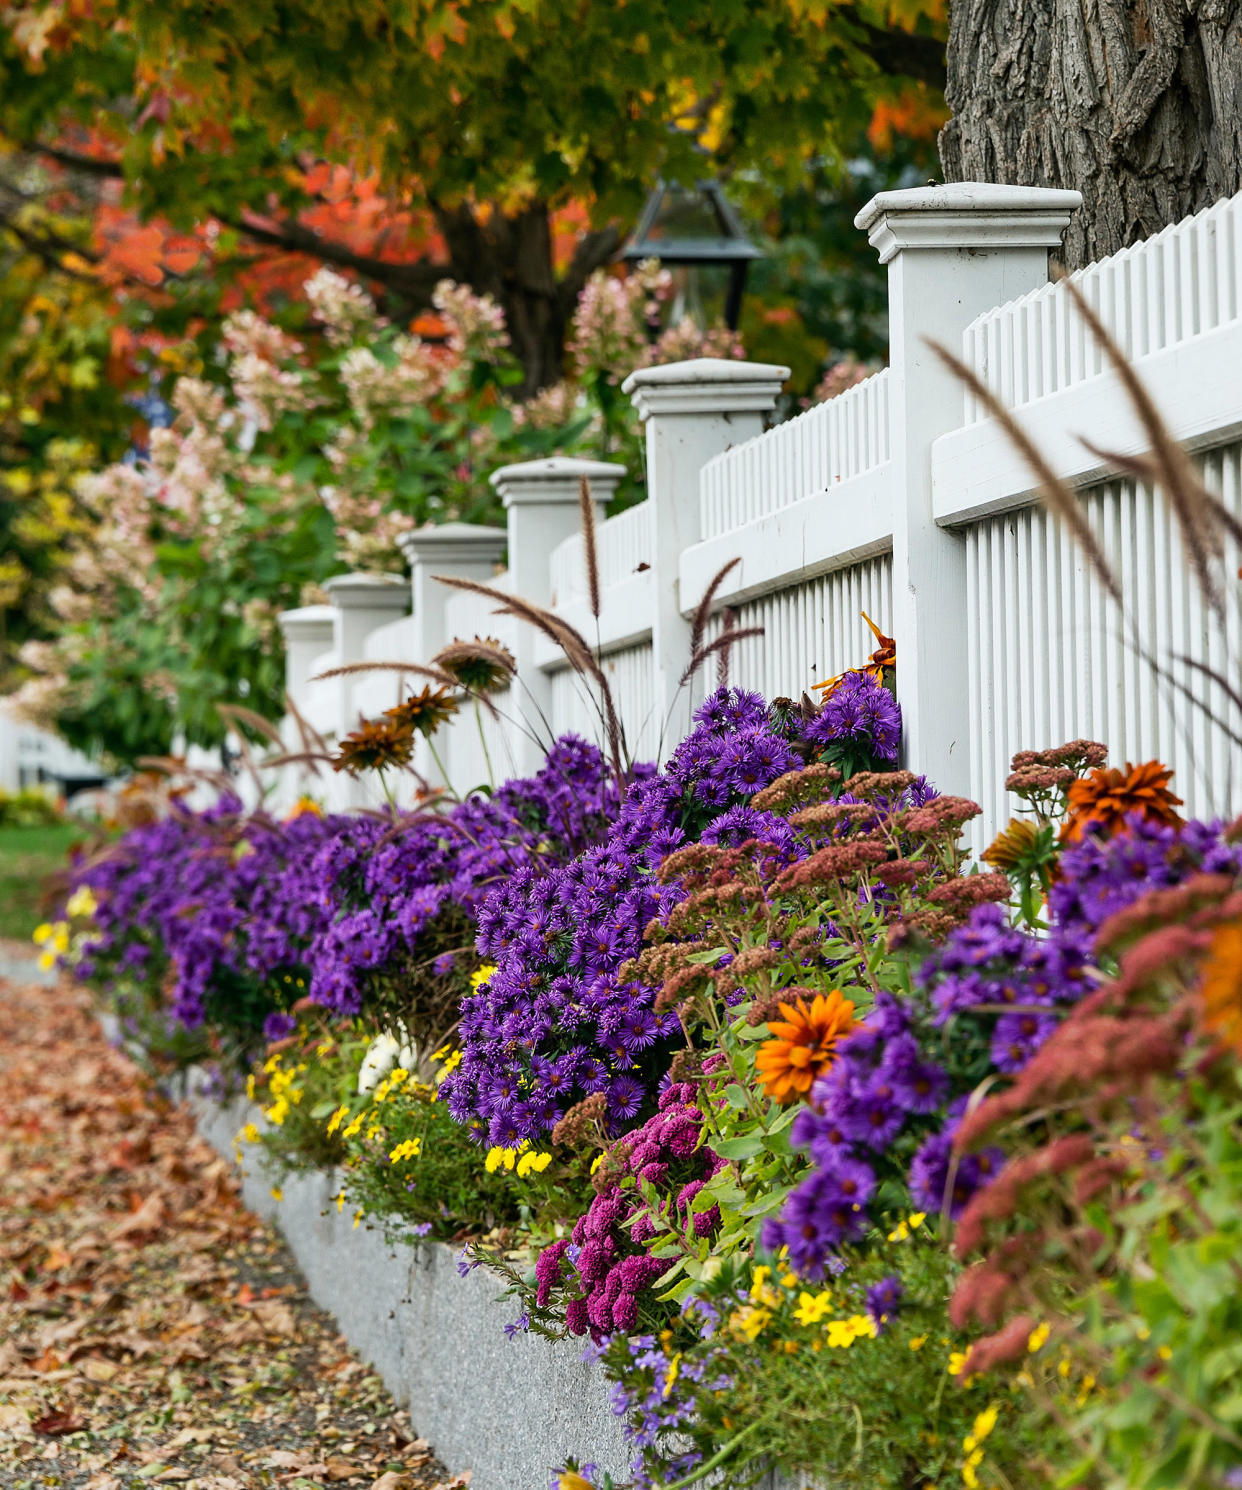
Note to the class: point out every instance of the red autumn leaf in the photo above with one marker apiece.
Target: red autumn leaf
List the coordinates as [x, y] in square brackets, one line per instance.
[57, 1423]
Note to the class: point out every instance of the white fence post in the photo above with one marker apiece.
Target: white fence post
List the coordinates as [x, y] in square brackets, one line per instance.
[541, 499]
[462, 551]
[360, 603]
[693, 411]
[952, 252]
[308, 633]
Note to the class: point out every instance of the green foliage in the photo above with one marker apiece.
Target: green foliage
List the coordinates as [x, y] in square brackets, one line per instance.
[33, 857]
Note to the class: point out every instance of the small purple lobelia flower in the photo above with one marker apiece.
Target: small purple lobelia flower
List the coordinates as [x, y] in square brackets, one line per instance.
[883, 1299]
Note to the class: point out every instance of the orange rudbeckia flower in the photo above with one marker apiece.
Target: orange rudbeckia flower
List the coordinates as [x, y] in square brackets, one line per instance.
[1222, 986]
[804, 1044]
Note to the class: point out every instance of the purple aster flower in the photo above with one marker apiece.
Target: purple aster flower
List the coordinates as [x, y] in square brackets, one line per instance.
[278, 1027]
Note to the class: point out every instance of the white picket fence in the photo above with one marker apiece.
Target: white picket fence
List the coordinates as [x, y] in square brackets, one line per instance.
[901, 498]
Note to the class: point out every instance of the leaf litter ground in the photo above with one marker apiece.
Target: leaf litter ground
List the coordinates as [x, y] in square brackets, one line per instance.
[152, 1331]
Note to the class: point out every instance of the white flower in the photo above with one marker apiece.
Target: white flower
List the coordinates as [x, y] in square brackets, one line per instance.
[377, 1063]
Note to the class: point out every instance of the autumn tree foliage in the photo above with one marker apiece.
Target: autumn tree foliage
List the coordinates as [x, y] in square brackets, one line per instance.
[482, 120]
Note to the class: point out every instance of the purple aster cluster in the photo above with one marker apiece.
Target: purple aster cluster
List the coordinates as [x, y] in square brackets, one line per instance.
[1099, 876]
[384, 887]
[881, 1088]
[218, 901]
[608, 1268]
[554, 1023]
[860, 717]
[247, 914]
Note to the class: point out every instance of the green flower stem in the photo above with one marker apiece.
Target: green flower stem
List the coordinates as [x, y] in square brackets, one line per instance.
[478, 719]
[716, 1460]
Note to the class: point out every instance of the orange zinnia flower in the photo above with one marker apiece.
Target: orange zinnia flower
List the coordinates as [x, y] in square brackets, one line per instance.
[804, 1044]
[1102, 800]
[1222, 986]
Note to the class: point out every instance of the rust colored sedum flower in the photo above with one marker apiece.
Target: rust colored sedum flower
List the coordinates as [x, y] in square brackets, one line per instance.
[804, 1044]
[1101, 801]
[1222, 985]
[374, 746]
[424, 712]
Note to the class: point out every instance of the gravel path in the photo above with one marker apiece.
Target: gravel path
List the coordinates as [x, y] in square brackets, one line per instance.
[152, 1331]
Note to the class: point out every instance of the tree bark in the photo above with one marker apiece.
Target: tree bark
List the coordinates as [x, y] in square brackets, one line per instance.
[1135, 103]
[511, 259]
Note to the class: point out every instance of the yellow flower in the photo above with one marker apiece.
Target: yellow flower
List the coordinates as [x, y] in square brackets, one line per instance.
[596, 1162]
[43, 933]
[674, 1366]
[841, 1333]
[354, 1128]
[1038, 1338]
[373, 1132]
[812, 1308]
[451, 1063]
[277, 1113]
[410, 1149]
[337, 1118]
[751, 1321]
[1085, 1391]
[358, 1215]
[82, 902]
[532, 1163]
[917, 1342]
[957, 1359]
[250, 1134]
[864, 1326]
[340, 1201]
[969, 1465]
[277, 1193]
[985, 1422]
[482, 975]
[917, 1218]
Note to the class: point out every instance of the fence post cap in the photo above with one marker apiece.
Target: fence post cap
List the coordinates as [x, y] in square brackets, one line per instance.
[705, 385]
[555, 480]
[967, 214]
[306, 623]
[447, 543]
[361, 591]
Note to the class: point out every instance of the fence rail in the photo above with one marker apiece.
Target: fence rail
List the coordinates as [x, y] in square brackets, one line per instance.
[901, 498]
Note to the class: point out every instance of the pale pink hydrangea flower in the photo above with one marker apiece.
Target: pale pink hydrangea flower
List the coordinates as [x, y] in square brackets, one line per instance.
[345, 310]
[476, 324]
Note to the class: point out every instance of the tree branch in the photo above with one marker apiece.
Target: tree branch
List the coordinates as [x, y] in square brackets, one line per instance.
[414, 281]
[903, 53]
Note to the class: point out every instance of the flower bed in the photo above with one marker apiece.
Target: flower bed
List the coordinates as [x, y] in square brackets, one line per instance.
[832, 1150]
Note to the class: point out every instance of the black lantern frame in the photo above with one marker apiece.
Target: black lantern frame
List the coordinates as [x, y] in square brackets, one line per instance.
[728, 247]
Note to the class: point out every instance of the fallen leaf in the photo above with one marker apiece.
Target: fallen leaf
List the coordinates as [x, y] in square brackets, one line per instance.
[276, 1318]
[342, 1469]
[95, 1369]
[14, 1420]
[54, 1424]
[393, 1481]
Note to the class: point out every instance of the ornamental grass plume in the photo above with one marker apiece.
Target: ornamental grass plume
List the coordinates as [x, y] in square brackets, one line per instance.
[804, 1043]
[1102, 802]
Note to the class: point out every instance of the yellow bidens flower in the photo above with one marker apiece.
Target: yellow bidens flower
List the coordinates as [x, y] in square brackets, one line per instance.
[903, 1229]
[532, 1163]
[82, 903]
[812, 1308]
[410, 1149]
[843, 1332]
[983, 1425]
[250, 1134]
[277, 1194]
[482, 975]
[1038, 1338]
[54, 939]
[337, 1118]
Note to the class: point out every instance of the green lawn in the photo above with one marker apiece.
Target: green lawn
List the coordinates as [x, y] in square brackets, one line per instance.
[28, 858]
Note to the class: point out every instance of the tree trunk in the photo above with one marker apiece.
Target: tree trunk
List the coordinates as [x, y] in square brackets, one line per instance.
[511, 259]
[1135, 103]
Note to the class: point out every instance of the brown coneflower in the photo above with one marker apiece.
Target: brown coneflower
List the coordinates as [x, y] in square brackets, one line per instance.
[483, 665]
[1101, 801]
[376, 745]
[1222, 985]
[804, 1043]
[424, 712]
